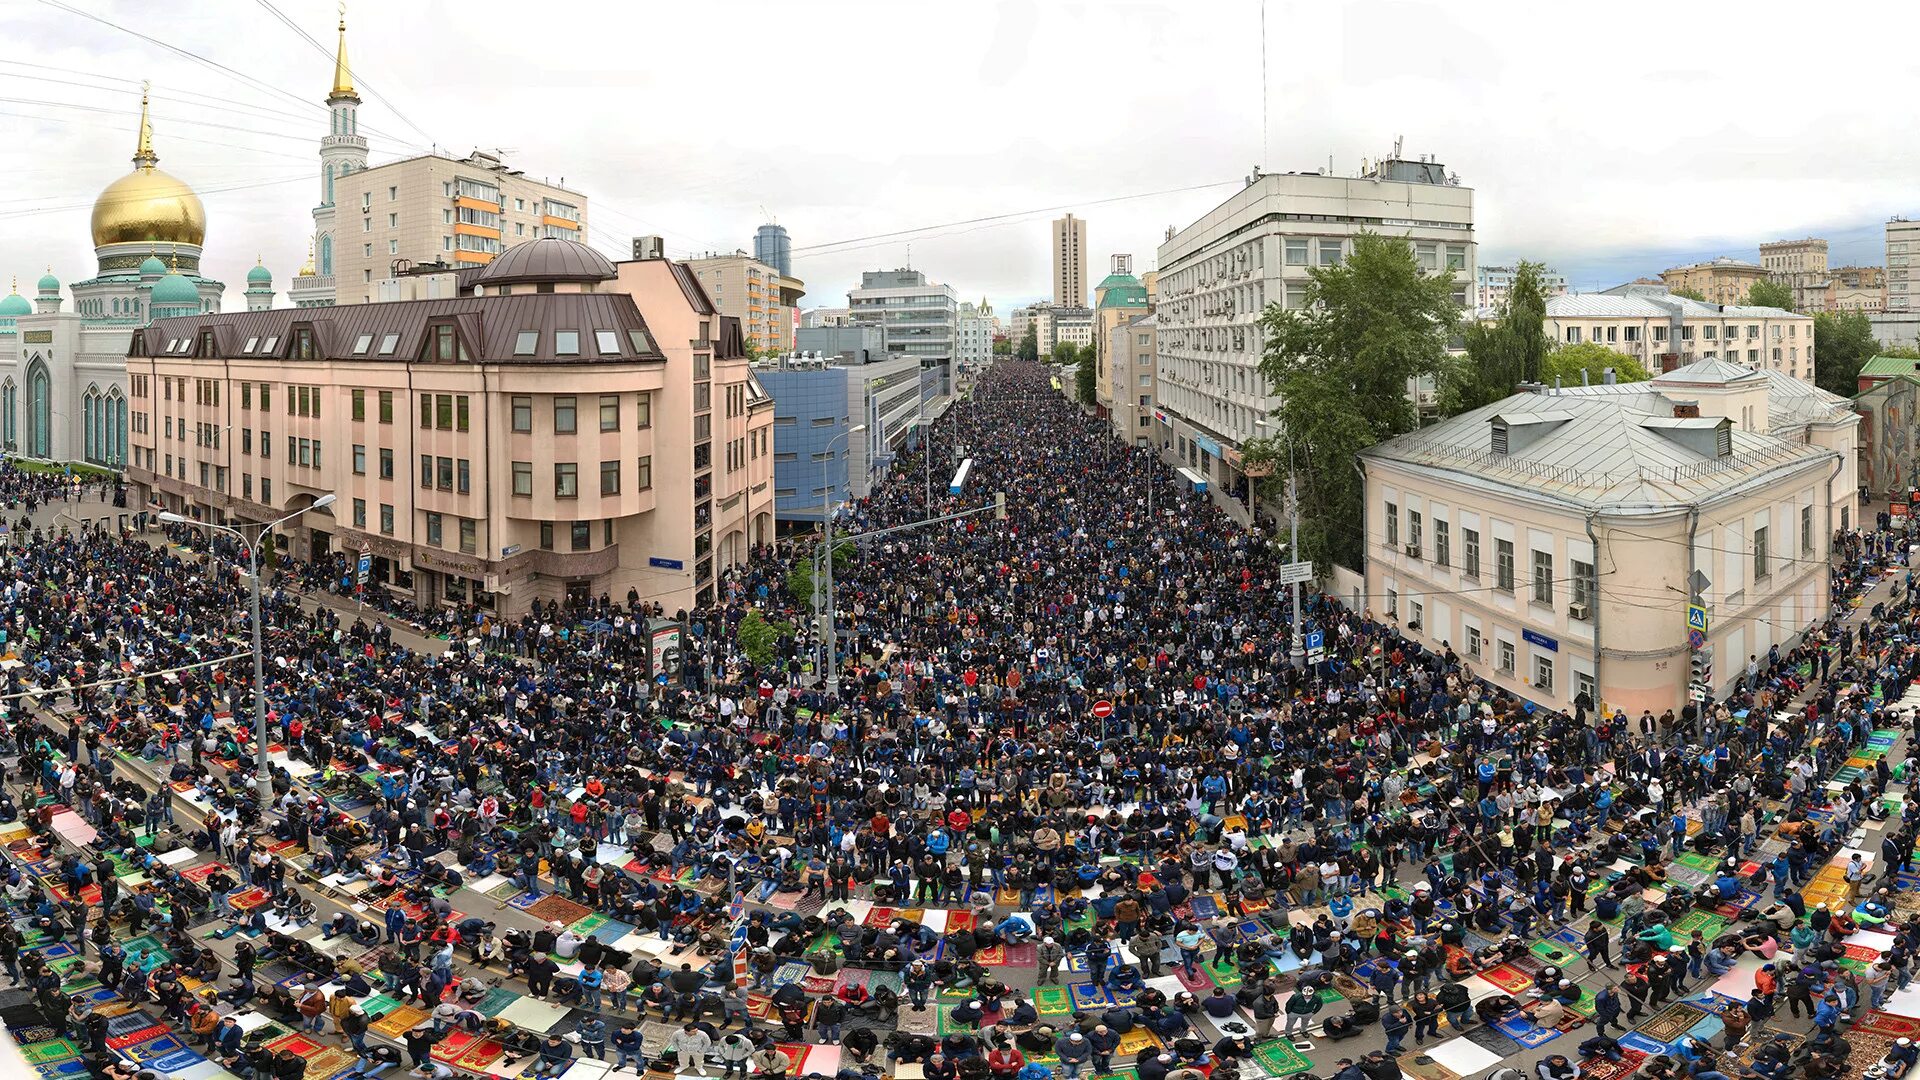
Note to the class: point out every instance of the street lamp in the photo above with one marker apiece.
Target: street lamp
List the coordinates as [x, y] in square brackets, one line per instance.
[264, 778]
[826, 518]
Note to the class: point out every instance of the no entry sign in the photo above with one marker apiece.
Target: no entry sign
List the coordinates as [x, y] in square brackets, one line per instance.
[1102, 710]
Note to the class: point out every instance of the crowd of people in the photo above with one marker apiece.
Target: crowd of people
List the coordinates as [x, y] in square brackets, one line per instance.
[1375, 827]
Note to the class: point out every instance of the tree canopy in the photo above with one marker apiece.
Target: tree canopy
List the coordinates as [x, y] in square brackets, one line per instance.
[1691, 294]
[1341, 365]
[1567, 362]
[1029, 348]
[1769, 293]
[1501, 353]
[1843, 341]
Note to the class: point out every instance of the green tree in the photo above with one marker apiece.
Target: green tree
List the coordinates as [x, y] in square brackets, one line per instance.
[1502, 353]
[1843, 341]
[1065, 352]
[800, 577]
[1691, 294]
[1085, 377]
[1341, 365]
[1002, 347]
[1568, 361]
[1030, 344]
[758, 636]
[1769, 293]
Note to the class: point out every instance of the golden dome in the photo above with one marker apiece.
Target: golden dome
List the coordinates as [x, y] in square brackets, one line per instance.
[147, 205]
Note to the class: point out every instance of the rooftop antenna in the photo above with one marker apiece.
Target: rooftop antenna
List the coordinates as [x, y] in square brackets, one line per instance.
[1397, 141]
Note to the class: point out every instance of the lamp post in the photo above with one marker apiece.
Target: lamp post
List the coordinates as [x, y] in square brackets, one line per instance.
[832, 674]
[263, 779]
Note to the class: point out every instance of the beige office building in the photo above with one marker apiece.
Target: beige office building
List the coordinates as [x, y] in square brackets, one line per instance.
[561, 430]
[1550, 539]
[1070, 262]
[1800, 265]
[1125, 387]
[1903, 246]
[757, 294]
[1664, 331]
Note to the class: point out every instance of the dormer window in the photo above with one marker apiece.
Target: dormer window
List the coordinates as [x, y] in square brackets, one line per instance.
[361, 343]
[251, 342]
[387, 343]
[303, 344]
[206, 343]
[443, 344]
[267, 347]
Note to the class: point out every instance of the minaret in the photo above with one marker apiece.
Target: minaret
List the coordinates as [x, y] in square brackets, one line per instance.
[344, 150]
[143, 155]
[259, 287]
[48, 302]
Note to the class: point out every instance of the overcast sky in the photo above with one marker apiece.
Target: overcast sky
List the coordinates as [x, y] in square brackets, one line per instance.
[1609, 141]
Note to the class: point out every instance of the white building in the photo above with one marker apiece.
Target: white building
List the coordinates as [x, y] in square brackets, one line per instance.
[1903, 245]
[1255, 249]
[915, 315]
[1493, 283]
[1664, 331]
[342, 151]
[1549, 538]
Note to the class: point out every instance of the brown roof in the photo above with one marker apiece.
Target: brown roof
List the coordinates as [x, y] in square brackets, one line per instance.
[696, 293]
[544, 260]
[489, 327]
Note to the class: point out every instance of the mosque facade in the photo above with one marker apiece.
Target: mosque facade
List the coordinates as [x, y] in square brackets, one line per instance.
[63, 369]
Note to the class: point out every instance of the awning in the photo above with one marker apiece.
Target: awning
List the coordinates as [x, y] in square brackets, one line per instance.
[1198, 482]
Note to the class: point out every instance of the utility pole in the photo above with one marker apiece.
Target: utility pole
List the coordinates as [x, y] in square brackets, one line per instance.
[1297, 653]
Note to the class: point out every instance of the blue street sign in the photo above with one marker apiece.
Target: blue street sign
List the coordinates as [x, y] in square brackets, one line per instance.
[1697, 617]
[1316, 639]
[365, 566]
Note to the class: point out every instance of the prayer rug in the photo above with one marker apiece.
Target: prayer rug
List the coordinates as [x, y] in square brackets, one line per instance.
[791, 971]
[248, 900]
[558, 909]
[497, 999]
[992, 956]
[1608, 1069]
[1554, 952]
[60, 1070]
[330, 1062]
[1492, 1040]
[154, 1050]
[1024, 955]
[1421, 1066]
[1089, 996]
[505, 891]
[56, 1050]
[1052, 1001]
[451, 1045]
[398, 1022]
[125, 1024]
[137, 1036]
[177, 1062]
[796, 1055]
[1205, 907]
[478, 1055]
[1671, 1023]
[1708, 923]
[299, 1044]
[1279, 1058]
[1223, 973]
[959, 920]
[879, 918]
[589, 923]
[1137, 1040]
[1521, 1029]
[1507, 978]
[1889, 1024]
[817, 984]
[827, 942]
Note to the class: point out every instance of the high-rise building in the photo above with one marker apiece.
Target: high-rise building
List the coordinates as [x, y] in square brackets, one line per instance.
[916, 316]
[1117, 300]
[1493, 283]
[757, 293]
[772, 246]
[1070, 262]
[372, 224]
[1255, 249]
[1903, 243]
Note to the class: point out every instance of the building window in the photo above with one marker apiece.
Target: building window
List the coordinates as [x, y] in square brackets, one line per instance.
[1505, 662]
[566, 480]
[386, 406]
[566, 343]
[1442, 545]
[643, 475]
[1329, 252]
[433, 529]
[359, 459]
[581, 536]
[386, 463]
[359, 512]
[1503, 565]
[426, 410]
[443, 473]
[1393, 525]
[609, 412]
[464, 472]
[359, 405]
[1393, 603]
[523, 414]
[462, 412]
[1543, 577]
[610, 478]
[1585, 585]
[1760, 567]
[1543, 672]
[523, 478]
[564, 419]
[443, 412]
[426, 470]
[546, 536]
[1413, 530]
[1475, 647]
[1806, 530]
[469, 535]
[386, 518]
[1296, 251]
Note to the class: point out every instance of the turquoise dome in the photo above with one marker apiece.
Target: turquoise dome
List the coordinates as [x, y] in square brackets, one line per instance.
[49, 283]
[15, 305]
[172, 290]
[259, 275]
[152, 267]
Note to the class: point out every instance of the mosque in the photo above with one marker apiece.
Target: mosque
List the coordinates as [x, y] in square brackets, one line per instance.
[63, 373]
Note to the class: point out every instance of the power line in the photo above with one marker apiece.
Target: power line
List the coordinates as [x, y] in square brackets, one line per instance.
[38, 210]
[359, 83]
[170, 138]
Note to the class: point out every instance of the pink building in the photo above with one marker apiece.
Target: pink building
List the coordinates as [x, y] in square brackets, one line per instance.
[562, 429]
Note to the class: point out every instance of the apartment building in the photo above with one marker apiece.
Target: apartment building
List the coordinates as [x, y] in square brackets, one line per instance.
[973, 339]
[1493, 283]
[433, 209]
[1550, 539]
[1855, 288]
[1903, 248]
[548, 435]
[916, 316]
[757, 293]
[819, 460]
[1126, 384]
[1801, 265]
[1664, 331]
[1725, 280]
[1255, 249]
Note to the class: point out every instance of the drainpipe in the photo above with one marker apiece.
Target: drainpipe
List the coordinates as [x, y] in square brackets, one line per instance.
[1597, 644]
[1839, 462]
[1693, 526]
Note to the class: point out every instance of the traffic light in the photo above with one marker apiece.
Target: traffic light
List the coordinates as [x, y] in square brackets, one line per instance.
[1701, 682]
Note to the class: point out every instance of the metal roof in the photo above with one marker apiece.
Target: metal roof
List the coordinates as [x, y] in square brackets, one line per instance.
[547, 259]
[1710, 371]
[489, 327]
[1883, 366]
[1607, 455]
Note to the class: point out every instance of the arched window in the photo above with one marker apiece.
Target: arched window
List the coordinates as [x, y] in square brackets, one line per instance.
[329, 185]
[10, 415]
[116, 427]
[90, 425]
[326, 245]
[39, 410]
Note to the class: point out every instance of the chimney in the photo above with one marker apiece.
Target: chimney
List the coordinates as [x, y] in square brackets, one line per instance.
[1686, 410]
[1607, 376]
